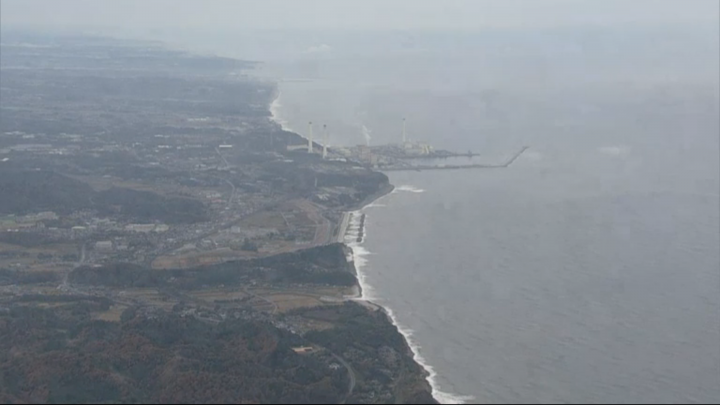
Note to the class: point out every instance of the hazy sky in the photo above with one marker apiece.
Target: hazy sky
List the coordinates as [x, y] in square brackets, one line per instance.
[325, 14]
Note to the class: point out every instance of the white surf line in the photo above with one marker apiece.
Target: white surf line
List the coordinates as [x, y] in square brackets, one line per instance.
[366, 294]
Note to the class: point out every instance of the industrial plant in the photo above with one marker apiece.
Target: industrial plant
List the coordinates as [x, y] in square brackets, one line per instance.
[393, 156]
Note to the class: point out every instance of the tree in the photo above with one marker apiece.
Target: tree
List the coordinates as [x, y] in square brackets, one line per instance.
[249, 246]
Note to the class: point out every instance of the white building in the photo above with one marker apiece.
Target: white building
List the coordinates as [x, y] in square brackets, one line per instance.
[104, 246]
[140, 228]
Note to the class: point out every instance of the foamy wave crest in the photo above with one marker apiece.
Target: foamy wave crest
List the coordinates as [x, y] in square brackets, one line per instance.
[615, 150]
[440, 396]
[445, 398]
[359, 253]
[355, 228]
[360, 258]
[411, 189]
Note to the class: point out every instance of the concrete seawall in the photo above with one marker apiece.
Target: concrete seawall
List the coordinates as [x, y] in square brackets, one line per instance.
[342, 227]
[455, 167]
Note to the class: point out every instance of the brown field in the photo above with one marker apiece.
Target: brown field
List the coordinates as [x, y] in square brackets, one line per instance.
[144, 294]
[102, 183]
[59, 248]
[200, 259]
[32, 262]
[260, 305]
[165, 305]
[31, 265]
[287, 302]
[312, 292]
[111, 315]
[150, 296]
[213, 295]
[47, 291]
[43, 304]
[265, 219]
[318, 325]
[56, 267]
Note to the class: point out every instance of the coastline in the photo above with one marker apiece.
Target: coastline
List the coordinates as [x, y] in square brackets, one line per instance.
[369, 200]
[362, 289]
[364, 297]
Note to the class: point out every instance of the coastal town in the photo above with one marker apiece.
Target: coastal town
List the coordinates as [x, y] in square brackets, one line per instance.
[232, 179]
[133, 199]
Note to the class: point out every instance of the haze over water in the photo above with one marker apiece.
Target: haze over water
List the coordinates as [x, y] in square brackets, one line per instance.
[588, 270]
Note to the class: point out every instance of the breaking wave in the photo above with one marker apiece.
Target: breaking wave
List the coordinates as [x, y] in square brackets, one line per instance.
[355, 236]
[411, 189]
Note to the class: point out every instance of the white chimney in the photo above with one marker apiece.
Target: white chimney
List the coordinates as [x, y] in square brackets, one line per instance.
[310, 138]
[325, 141]
[404, 133]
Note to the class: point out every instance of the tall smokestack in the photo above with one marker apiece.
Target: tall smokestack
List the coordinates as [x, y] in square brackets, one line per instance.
[325, 141]
[310, 138]
[404, 133]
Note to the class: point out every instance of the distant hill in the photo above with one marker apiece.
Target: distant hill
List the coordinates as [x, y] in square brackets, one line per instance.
[25, 192]
[148, 206]
[29, 191]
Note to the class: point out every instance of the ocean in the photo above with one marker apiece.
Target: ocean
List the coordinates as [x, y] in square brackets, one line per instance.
[588, 270]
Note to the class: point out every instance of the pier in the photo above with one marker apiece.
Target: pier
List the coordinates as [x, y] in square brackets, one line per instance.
[455, 167]
[442, 155]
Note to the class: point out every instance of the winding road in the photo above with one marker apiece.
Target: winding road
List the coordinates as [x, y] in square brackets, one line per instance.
[351, 374]
[260, 297]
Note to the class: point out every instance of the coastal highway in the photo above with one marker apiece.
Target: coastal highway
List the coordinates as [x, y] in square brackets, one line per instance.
[342, 227]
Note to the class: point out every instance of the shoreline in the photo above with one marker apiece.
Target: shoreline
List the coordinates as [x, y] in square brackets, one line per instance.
[361, 290]
[363, 297]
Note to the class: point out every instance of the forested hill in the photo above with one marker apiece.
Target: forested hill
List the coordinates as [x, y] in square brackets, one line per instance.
[61, 355]
[32, 191]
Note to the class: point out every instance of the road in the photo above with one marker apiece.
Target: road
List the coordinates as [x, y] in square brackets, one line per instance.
[342, 227]
[232, 195]
[260, 297]
[323, 226]
[213, 231]
[227, 165]
[80, 262]
[82, 255]
[351, 374]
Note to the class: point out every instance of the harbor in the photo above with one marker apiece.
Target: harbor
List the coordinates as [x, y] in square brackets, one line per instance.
[397, 156]
[410, 167]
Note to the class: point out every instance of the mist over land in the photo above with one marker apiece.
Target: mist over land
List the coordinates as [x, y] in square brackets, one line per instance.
[586, 271]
